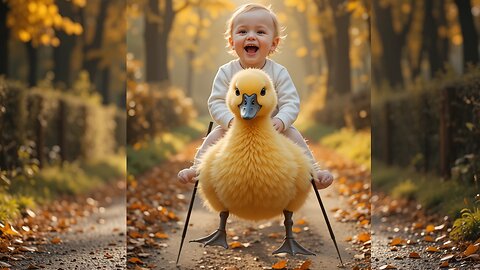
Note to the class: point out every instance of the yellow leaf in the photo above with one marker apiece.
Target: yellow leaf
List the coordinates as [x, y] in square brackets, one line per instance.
[280, 265]
[24, 36]
[10, 230]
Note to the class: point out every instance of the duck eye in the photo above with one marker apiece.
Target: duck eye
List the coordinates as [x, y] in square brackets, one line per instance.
[237, 92]
[263, 91]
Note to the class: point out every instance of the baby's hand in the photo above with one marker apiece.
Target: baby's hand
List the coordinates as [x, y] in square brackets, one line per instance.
[324, 179]
[278, 124]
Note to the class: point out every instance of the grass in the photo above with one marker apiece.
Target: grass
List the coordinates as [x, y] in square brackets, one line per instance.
[144, 156]
[54, 181]
[314, 131]
[437, 195]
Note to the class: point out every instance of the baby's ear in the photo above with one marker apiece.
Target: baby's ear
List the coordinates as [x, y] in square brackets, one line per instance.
[230, 41]
[275, 43]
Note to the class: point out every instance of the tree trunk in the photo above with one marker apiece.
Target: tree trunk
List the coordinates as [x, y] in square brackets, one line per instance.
[191, 55]
[392, 43]
[4, 37]
[32, 64]
[62, 54]
[91, 63]
[156, 41]
[105, 87]
[469, 33]
[341, 71]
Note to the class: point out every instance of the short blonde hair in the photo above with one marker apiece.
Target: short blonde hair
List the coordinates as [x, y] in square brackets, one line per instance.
[250, 7]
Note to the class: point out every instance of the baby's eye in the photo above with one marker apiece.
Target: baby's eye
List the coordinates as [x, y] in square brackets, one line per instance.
[261, 32]
[242, 32]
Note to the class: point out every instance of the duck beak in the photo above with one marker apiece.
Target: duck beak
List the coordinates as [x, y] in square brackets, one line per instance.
[249, 106]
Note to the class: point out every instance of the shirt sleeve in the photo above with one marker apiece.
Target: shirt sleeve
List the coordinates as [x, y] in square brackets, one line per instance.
[288, 99]
[216, 102]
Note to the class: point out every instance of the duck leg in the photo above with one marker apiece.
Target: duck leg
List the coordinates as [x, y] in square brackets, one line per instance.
[218, 237]
[289, 245]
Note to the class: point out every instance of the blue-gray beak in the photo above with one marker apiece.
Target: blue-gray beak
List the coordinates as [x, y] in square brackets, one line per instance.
[249, 106]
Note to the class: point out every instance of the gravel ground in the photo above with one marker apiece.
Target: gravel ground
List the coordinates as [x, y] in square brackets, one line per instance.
[260, 238]
[95, 242]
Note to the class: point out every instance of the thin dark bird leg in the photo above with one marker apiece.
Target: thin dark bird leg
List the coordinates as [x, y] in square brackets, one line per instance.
[218, 237]
[289, 245]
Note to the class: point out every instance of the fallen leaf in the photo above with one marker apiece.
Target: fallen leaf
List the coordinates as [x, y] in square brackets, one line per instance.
[470, 250]
[359, 256]
[397, 242]
[414, 255]
[135, 260]
[430, 228]
[363, 237]
[428, 238]
[444, 264]
[235, 244]
[280, 265]
[296, 229]
[306, 265]
[56, 240]
[161, 235]
[432, 249]
[301, 222]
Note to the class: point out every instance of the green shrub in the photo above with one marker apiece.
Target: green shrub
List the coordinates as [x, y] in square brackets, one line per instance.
[467, 227]
[406, 189]
[153, 110]
[354, 145]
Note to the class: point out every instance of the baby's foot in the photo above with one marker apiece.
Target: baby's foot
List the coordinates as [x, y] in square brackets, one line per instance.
[324, 179]
[187, 175]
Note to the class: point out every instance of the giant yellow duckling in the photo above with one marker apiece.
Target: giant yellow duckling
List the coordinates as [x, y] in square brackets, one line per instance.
[254, 172]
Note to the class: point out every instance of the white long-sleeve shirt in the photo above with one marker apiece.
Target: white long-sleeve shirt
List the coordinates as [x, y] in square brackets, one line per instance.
[288, 100]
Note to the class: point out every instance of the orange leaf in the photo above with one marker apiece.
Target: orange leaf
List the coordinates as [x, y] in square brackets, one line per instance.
[135, 234]
[161, 235]
[363, 237]
[428, 238]
[430, 228]
[397, 242]
[56, 240]
[444, 264]
[306, 265]
[135, 260]
[296, 230]
[470, 250]
[414, 255]
[280, 265]
[236, 244]
[10, 230]
[432, 249]
[301, 222]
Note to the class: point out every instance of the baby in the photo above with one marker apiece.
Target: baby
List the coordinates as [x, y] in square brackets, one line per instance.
[253, 33]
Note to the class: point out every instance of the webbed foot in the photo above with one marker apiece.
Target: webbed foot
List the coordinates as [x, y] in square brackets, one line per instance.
[292, 247]
[218, 237]
[289, 245]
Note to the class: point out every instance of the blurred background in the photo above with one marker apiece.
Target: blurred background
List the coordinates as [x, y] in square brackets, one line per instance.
[426, 107]
[62, 102]
[176, 47]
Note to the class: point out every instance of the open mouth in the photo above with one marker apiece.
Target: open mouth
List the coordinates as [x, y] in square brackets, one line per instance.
[251, 49]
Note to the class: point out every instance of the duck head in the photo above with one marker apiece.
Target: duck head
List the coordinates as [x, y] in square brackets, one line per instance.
[251, 94]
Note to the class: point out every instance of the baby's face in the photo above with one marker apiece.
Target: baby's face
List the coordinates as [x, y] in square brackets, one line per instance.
[253, 37]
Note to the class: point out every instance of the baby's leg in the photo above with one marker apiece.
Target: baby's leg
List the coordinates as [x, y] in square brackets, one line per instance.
[188, 174]
[324, 178]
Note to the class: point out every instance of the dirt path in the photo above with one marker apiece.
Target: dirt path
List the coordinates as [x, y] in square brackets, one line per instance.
[95, 242]
[255, 241]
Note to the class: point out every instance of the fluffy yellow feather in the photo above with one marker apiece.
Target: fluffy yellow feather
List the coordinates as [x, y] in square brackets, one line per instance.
[254, 172]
